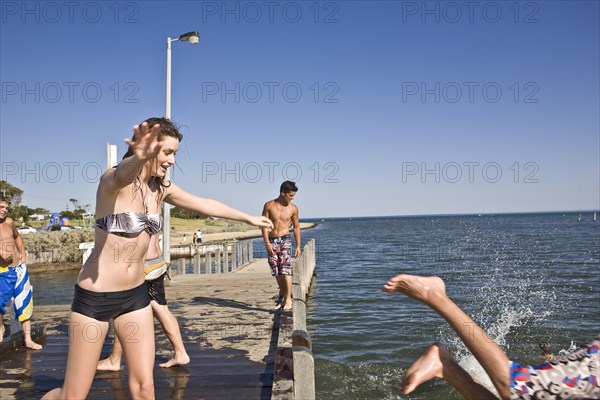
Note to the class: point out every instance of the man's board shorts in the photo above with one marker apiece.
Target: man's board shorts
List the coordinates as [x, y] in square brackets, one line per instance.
[14, 282]
[281, 260]
[156, 285]
[572, 376]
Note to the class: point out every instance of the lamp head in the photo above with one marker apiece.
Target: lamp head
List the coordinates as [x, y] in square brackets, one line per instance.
[191, 37]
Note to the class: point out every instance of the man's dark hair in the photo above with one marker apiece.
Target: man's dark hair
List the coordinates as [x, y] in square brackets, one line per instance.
[288, 186]
[4, 199]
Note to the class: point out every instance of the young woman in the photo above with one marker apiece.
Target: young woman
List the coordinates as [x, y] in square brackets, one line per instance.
[111, 282]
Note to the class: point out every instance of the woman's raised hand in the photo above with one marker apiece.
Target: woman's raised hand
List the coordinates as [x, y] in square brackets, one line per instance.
[145, 145]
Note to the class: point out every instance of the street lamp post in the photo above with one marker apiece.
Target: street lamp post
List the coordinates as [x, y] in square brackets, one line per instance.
[192, 38]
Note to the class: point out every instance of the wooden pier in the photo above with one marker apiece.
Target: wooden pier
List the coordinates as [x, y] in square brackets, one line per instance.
[239, 347]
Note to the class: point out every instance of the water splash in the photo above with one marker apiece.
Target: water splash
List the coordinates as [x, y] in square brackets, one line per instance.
[507, 305]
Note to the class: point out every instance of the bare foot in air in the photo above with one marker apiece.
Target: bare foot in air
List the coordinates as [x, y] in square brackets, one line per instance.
[430, 365]
[30, 344]
[175, 361]
[109, 364]
[1, 331]
[427, 289]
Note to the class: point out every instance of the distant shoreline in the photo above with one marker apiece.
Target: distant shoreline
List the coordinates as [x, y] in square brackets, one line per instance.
[251, 234]
[475, 214]
[43, 268]
[39, 268]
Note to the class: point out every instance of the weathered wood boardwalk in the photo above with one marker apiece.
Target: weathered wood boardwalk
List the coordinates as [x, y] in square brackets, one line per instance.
[229, 328]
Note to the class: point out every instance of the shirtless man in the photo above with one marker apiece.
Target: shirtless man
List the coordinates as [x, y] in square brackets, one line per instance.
[14, 279]
[278, 242]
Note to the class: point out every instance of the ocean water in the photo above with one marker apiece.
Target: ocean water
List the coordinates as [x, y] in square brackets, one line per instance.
[524, 278]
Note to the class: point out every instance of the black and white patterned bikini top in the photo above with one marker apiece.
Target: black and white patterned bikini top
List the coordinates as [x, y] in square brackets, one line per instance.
[130, 223]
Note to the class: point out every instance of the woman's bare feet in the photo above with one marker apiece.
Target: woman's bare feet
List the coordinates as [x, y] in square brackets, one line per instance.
[109, 364]
[176, 360]
[437, 362]
[429, 290]
[1, 331]
[430, 365]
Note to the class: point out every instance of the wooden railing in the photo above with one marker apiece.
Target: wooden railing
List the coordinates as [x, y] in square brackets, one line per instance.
[299, 358]
[304, 365]
[213, 258]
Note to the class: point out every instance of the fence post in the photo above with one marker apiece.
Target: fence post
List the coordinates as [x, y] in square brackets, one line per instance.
[218, 259]
[245, 253]
[197, 263]
[181, 266]
[233, 256]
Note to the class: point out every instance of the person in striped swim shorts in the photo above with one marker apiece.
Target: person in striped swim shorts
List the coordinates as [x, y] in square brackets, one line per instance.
[14, 278]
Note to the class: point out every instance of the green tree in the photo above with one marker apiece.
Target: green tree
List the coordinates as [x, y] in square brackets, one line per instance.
[185, 214]
[75, 203]
[12, 193]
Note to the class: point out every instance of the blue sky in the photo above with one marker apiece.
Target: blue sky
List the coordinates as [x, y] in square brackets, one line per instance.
[375, 108]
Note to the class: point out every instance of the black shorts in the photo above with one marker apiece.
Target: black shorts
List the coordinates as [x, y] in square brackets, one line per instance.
[156, 290]
[103, 306]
